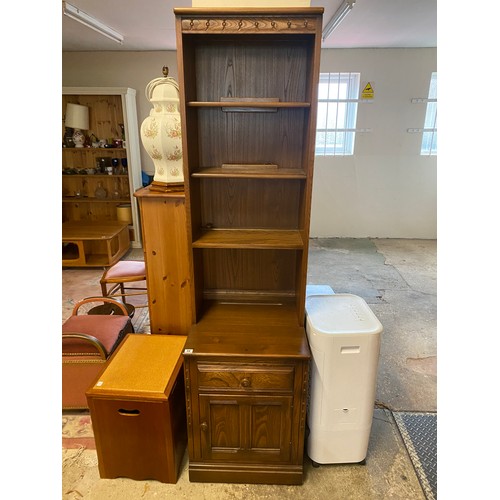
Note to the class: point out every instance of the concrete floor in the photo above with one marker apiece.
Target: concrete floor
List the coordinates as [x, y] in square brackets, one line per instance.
[397, 278]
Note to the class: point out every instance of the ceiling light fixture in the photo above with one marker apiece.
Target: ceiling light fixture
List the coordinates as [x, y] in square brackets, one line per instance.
[338, 17]
[80, 16]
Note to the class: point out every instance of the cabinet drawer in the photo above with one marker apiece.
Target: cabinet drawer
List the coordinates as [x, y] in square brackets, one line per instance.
[232, 377]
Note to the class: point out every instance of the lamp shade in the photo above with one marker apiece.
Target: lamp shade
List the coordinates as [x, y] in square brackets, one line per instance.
[77, 116]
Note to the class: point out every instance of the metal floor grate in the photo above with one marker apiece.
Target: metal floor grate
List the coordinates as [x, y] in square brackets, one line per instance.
[419, 432]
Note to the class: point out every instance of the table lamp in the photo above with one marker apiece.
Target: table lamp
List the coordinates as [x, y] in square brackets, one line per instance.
[161, 133]
[77, 118]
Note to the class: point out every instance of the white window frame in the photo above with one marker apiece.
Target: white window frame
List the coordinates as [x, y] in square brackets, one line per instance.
[337, 114]
[429, 134]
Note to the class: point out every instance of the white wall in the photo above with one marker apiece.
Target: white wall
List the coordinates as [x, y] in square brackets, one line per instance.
[385, 190]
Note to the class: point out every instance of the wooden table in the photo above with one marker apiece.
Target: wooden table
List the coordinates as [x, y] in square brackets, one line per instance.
[98, 244]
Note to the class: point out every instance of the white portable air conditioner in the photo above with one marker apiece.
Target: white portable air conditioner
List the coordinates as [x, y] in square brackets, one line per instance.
[344, 337]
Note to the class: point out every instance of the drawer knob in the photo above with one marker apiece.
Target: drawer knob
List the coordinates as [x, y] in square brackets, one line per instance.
[245, 382]
[204, 427]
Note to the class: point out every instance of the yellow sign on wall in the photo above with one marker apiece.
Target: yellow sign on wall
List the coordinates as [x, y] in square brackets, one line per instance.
[368, 92]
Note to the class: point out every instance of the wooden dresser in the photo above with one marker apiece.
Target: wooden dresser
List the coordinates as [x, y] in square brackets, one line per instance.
[249, 82]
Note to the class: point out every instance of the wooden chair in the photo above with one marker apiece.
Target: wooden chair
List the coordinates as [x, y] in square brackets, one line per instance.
[116, 278]
[88, 340]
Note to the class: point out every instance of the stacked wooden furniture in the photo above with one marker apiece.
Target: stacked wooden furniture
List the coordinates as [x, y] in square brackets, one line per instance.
[111, 110]
[248, 82]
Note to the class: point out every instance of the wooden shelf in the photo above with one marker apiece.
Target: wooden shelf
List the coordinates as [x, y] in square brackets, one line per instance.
[89, 199]
[248, 319]
[94, 150]
[250, 238]
[247, 104]
[250, 173]
[93, 176]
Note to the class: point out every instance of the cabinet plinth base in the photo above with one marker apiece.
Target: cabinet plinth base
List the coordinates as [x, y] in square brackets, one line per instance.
[251, 474]
[163, 187]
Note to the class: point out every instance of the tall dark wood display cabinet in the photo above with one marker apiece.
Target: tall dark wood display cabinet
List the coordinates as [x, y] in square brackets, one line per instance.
[248, 80]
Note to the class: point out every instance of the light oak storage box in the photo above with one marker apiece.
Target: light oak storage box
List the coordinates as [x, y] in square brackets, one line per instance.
[138, 410]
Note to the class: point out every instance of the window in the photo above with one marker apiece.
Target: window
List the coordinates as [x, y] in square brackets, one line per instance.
[337, 110]
[429, 136]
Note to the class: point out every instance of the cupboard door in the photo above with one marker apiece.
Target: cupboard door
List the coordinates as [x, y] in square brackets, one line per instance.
[245, 428]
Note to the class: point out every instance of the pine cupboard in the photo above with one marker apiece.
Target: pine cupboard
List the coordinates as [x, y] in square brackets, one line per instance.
[163, 217]
[248, 85]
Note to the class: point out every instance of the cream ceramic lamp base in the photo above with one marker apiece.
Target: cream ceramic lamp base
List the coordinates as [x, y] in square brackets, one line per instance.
[161, 133]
